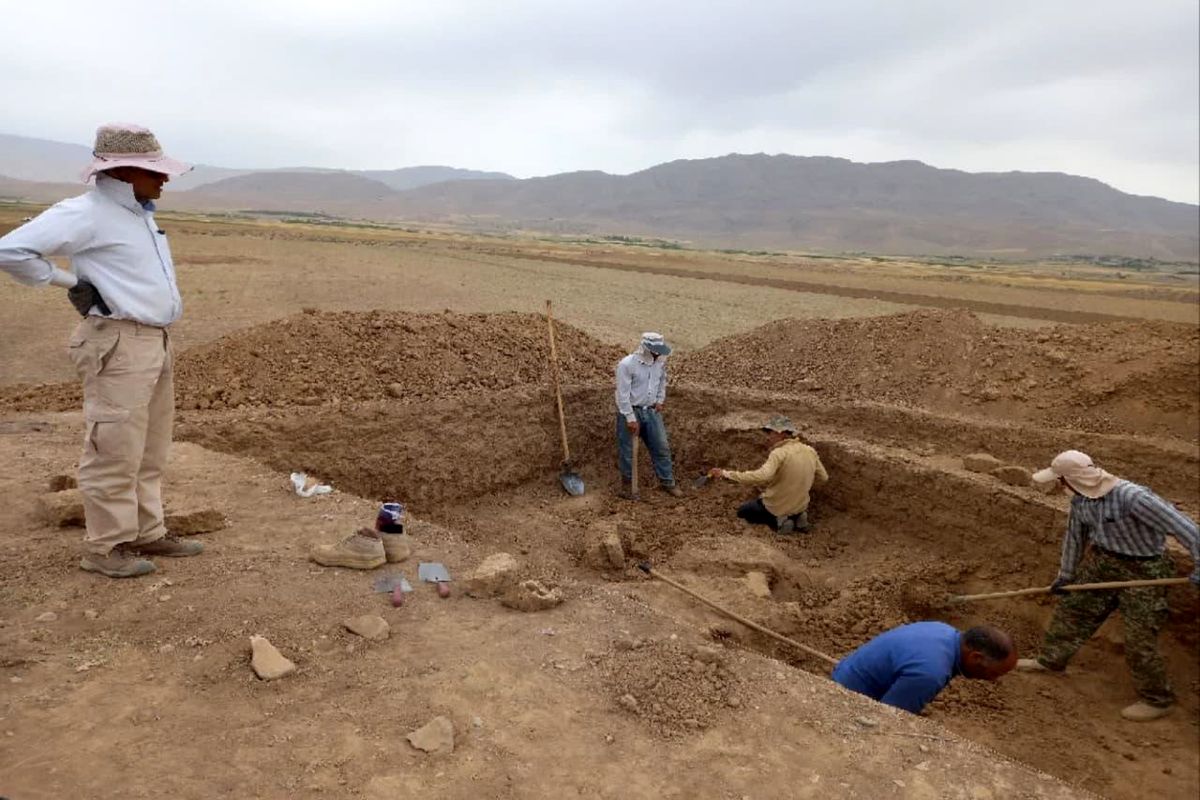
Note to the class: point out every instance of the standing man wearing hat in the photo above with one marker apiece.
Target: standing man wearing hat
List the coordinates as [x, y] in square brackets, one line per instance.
[122, 281]
[641, 392]
[1126, 525]
[787, 477]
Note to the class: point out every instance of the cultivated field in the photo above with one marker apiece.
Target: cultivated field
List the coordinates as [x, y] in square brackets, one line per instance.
[390, 364]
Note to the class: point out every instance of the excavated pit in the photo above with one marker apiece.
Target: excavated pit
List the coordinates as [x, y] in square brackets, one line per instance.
[899, 527]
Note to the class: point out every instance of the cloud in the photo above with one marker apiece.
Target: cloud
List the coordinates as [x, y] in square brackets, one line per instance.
[1103, 88]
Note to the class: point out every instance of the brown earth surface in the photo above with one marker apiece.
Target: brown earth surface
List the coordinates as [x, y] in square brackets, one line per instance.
[629, 688]
[1133, 377]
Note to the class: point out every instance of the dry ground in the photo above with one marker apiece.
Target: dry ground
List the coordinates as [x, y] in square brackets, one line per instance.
[154, 698]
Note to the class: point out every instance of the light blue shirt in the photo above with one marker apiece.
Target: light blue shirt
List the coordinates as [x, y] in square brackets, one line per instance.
[641, 381]
[112, 242]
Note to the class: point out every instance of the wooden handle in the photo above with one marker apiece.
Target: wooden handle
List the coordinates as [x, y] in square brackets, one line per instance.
[562, 419]
[633, 478]
[748, 623]
[1075, 587]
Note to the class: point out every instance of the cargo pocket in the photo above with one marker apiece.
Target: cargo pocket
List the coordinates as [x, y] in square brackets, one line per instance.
[103, 435]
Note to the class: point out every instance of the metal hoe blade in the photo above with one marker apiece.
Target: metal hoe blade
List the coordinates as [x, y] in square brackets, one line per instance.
[387, 583]
[701, 481]
[433, 572]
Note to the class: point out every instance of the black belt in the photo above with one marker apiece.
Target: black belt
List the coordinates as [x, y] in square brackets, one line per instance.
[1123, 556]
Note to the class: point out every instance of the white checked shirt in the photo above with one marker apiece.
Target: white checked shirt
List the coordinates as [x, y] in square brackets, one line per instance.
[641, 381]
[1130, 520]
[112, 242]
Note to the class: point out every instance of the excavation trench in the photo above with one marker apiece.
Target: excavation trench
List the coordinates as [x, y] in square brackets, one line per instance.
[899, 527]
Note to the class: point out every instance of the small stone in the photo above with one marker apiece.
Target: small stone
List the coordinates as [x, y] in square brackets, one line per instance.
[204, 521]
[733, 702]
[61, 483]
[629, 703]
[62, 509]
[493, 576]
[531, 596]
[707, 654]
[47, 616]
[162, 598]
[395, 390]
[268, 663]
[867, 722]
[924, 748]
[981, 462]
[167, 648]
[435, 736]
[368, 626]
[476, 722]
[91, 613]
[1013, 475]
[614, 553]
[15, 679]
[758, 585]
[922, 767]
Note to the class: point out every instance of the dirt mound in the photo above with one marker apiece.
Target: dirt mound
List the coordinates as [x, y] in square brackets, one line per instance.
[1127, 376]
[322, 357]
[673, 688]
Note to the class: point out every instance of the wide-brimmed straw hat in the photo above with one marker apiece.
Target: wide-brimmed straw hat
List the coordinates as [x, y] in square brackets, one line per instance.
[655, 343]
[119, 144]
[1080, 472]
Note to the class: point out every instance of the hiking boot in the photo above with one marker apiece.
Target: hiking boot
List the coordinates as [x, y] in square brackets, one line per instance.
[119, 563]
[397, 547]
[1031, 665]
[672, 490]
[363, 549]
[1142, 711]
[170, 546]
[796, 523]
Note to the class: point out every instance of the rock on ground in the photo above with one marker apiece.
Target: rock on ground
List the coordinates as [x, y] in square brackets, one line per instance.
[758, 585]
[62, 509]
[981, 462]
[60, 483]
[1013, 476]
[493, 576]
[204, 521]
[368, 626]
[531, 596]
[435, 736]
[267, 662]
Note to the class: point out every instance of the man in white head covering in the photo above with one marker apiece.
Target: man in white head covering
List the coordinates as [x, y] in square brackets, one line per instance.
[641, 392]
[122, 281]
[1126, 526]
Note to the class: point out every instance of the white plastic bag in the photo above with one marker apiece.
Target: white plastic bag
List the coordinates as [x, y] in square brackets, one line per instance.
[299, 479]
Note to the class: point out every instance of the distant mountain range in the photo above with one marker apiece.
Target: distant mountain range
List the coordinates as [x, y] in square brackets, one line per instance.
[30, 159]
[759, 201]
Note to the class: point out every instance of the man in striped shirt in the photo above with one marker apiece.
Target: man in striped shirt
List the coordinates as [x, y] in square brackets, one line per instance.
[1126, 525]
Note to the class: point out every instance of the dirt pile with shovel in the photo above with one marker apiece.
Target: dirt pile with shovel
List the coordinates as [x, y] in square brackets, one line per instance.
[1127, 377]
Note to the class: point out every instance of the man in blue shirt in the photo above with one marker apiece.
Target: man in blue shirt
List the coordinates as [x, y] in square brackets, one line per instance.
[906, 667]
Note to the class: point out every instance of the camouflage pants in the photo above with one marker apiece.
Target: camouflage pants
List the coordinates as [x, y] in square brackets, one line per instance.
[1143, 612]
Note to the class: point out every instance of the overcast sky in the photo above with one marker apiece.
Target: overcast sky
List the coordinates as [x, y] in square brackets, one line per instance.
[1104, 88]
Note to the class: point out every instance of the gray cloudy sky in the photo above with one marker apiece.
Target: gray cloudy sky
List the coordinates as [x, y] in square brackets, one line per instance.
[1105, 88]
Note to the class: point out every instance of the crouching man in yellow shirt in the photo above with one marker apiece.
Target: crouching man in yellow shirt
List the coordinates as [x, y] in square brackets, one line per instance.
[787, 477]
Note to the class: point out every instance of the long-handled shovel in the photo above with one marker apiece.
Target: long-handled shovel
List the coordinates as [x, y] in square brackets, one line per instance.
[653, 573]
[1075, 587]
[570, 479]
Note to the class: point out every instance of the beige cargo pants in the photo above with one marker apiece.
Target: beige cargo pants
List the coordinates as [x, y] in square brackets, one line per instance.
[129, 408]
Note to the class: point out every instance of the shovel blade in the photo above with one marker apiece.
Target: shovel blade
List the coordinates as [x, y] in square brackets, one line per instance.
[571, 481]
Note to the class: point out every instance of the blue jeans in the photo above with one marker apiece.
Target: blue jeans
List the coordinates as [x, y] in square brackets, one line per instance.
[654, 434]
